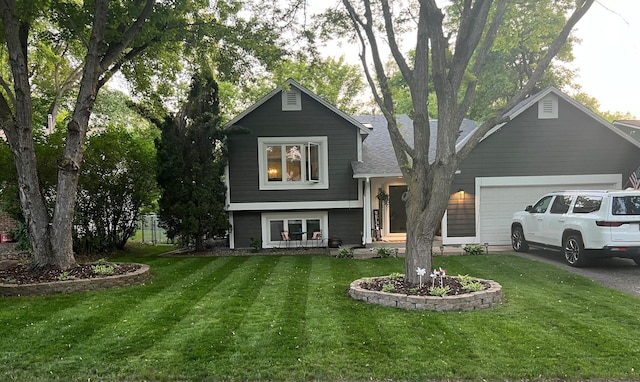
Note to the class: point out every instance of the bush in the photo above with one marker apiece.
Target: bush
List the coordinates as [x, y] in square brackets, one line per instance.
[385, 252]
[474, 249]
[256, 245]
[345, 252]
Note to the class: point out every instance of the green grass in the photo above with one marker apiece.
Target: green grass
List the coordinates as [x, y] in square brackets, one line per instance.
[289, 318]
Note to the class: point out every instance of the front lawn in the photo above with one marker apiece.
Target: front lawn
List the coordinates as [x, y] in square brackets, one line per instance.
[289, 318]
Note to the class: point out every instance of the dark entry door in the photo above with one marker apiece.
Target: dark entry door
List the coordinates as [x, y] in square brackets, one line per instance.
[397, 210]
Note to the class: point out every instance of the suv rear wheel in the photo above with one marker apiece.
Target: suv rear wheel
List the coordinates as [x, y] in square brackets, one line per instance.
[518, 242]
[574, 251]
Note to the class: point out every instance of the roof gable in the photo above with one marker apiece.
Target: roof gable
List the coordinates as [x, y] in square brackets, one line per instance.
[533, 102]
[291, 83]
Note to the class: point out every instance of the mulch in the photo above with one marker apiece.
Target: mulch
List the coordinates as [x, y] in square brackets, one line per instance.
[21, 273]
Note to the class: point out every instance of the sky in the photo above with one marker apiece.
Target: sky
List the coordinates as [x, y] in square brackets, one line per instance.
[608, 58]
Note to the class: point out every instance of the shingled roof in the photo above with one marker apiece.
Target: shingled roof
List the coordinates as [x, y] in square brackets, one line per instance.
[378, 157]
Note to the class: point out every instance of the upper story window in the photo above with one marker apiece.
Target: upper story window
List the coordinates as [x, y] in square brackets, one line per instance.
[293, 162]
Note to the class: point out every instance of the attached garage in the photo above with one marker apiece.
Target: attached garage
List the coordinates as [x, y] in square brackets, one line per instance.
[499, 197]
[550, 143]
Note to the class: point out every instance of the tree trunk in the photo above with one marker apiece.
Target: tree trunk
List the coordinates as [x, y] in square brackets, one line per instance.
[424, 214]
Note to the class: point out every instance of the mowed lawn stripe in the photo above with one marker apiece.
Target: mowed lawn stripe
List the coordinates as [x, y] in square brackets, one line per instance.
[72, 320]
[207, 332]
[271, 341]
[518, 331]
[140, 324]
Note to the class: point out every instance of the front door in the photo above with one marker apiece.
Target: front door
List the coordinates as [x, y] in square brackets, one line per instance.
[397, 210]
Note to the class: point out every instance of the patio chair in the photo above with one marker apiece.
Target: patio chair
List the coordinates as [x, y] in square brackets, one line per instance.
[284, 237]
[316, 238]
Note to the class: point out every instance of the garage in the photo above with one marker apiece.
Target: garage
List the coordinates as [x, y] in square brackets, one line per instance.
[499, 197]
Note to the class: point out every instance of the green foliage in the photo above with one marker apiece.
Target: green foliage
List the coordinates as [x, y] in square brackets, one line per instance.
[470, 284]
[332, 79]
[439, 290]
[474, 249]
[384, 252]
[256, 245]
[395, 275]
[104, 269]
[191, 163]
[151, 43]
[389, 288]
[21, 236]
[116, 182]
[527, 29]
[65, 276]
[345, 252]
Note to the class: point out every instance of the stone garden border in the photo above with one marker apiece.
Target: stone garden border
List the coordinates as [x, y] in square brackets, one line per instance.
[469, 301]
[79, 285]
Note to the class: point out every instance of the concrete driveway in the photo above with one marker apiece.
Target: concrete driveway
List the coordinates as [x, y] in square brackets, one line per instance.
[621, 274]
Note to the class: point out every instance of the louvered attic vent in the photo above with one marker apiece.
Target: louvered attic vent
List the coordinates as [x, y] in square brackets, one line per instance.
[291, 100]
[548, 107]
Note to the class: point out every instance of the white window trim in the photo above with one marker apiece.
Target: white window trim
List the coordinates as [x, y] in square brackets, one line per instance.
[323, 158]
[301, 215]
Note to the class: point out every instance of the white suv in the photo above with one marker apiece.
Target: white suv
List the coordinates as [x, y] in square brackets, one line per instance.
[582, 224]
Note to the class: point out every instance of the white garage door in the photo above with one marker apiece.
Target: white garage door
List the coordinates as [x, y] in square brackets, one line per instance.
[499, 198]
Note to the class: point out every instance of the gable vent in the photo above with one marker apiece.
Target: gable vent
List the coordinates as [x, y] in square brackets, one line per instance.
[548, 107]
[291, 100]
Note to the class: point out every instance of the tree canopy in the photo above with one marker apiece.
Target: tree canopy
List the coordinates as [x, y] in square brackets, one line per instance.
[191, 165]
[61, 53]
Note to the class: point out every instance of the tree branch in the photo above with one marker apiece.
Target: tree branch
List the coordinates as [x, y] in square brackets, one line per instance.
[483, 54]
[385, 102]
[116, 50]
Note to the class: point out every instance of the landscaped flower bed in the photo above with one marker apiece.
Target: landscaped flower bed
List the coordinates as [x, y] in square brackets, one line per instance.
[393, 291]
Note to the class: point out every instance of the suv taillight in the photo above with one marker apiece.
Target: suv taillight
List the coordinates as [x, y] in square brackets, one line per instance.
[602, 223]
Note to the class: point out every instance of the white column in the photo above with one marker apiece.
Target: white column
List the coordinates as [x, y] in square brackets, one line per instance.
[366, 212]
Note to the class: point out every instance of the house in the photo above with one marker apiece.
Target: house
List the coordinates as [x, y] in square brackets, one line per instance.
[304, 166]
[551, 142]
[291, 171]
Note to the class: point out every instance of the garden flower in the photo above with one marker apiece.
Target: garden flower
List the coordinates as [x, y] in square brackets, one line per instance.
[421, 272]
[433, 275]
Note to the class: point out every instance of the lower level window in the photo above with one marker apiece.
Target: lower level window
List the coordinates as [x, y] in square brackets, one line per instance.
[300, 226]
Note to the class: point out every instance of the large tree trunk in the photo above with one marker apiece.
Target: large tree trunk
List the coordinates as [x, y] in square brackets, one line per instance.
[425, 209]
[18, 128]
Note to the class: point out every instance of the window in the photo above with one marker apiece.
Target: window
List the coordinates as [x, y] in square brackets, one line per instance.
[542, 205]
[289, 163]
[300, 225]
[587, 204]
[626, 205]
[560, 204]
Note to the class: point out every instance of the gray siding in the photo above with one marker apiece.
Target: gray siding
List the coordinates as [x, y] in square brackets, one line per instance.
[247, 227]
[343, 224]
[346, 225]
[573, 144]
[268, 120]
